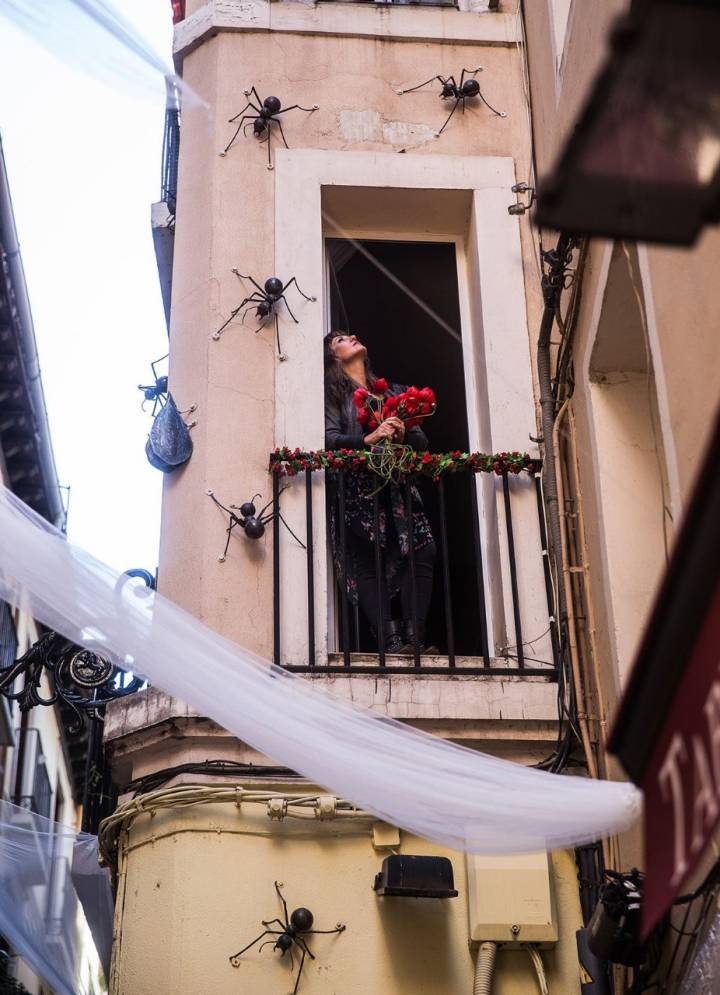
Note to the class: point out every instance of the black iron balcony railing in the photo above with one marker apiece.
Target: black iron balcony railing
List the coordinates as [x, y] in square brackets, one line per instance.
[460, 610]
[170, 155]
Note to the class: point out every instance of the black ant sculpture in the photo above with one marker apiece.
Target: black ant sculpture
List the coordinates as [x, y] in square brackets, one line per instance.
[300, 922]
[467, 89]
[263, 300]
[266, 114]
[250, 520]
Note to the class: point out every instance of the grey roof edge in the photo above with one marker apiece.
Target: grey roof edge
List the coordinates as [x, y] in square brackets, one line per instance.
[28, 348]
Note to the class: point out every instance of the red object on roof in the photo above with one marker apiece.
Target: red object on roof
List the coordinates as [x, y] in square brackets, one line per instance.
[178, 9]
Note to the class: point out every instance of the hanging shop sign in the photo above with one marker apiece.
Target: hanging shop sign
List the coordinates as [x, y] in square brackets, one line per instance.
[667, 731]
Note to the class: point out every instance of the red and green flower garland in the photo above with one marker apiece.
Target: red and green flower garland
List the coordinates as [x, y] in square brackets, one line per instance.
[290, 462]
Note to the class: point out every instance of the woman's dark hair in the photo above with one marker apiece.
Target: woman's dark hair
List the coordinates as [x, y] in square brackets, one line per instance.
[338, 384]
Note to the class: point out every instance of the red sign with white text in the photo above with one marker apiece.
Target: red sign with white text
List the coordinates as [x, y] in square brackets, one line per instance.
[682, 782]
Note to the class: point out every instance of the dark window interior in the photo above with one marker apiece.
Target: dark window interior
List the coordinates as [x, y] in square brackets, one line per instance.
[409, 346]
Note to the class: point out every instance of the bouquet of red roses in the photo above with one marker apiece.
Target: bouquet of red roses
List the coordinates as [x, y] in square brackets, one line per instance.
[412, 406]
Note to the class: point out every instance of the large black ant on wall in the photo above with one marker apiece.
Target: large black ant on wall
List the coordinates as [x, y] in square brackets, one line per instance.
[266, 113]
[263, 301]
[293, 931]
[466, 89]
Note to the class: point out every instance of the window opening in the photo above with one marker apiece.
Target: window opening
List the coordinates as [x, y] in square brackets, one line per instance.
[407, 346]
[33, 790]
[41, 799]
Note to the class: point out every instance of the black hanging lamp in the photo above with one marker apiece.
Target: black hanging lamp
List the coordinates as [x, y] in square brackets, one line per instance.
[643, 161]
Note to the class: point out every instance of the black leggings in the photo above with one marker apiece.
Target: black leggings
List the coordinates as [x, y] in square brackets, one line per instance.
[367, 583]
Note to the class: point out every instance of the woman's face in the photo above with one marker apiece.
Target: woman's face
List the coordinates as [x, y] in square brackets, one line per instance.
[345, 347]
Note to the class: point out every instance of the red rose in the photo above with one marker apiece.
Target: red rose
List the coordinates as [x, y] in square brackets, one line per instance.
[390, 407]
[360, 397]
[426, 458]
[380, 386]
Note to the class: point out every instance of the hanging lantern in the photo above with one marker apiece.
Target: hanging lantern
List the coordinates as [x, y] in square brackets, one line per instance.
[643, 161]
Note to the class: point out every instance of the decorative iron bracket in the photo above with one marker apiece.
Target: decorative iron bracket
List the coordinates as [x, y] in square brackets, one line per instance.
[82, 679]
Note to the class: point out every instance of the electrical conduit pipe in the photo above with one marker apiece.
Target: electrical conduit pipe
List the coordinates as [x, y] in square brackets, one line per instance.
[484, 968]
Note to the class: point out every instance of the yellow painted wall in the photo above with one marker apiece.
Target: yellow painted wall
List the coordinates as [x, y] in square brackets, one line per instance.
[198, 894]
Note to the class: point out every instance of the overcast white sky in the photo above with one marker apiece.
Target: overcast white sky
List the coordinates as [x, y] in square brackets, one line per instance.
[84, 167]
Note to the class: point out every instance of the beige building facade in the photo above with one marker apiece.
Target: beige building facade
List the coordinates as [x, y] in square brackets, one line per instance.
[367, 179]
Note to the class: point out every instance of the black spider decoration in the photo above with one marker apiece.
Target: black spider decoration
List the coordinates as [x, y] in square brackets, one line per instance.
[299, 922]
[466, 89]
[250, 520]
[157, 392]
[263, 301]
[266, 113]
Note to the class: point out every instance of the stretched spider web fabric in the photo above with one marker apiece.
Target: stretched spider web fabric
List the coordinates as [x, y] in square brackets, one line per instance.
[446, 793]
[40, 914]
[703, 977]
[95, 38]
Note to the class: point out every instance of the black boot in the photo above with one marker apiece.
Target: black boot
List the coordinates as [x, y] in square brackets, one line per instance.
[409, 646]
[393, 636]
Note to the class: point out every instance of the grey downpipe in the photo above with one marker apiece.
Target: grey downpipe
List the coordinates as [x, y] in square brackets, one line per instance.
[28, 350]
[484, 968]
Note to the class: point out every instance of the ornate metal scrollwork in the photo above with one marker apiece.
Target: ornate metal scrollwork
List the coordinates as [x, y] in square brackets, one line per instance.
[84, 680]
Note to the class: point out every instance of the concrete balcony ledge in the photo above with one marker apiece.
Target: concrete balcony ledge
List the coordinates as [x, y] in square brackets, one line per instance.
[408, 697]
[453, 698]
[473, 25]
[505, 715]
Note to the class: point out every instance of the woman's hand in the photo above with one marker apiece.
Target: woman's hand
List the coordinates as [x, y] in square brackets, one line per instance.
[399, 426]
[387, 430]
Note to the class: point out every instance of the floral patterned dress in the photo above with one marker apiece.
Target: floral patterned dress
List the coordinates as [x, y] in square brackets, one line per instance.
[343, 431]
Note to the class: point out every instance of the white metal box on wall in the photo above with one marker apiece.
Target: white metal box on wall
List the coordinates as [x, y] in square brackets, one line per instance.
[510, 898]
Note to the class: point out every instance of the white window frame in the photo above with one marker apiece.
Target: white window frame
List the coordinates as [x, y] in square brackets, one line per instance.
[495, 347]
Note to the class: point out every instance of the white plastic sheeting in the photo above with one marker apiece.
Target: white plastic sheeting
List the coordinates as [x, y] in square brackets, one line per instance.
[92, 36]
[703, 978]
[39, 909]
[443, 792]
